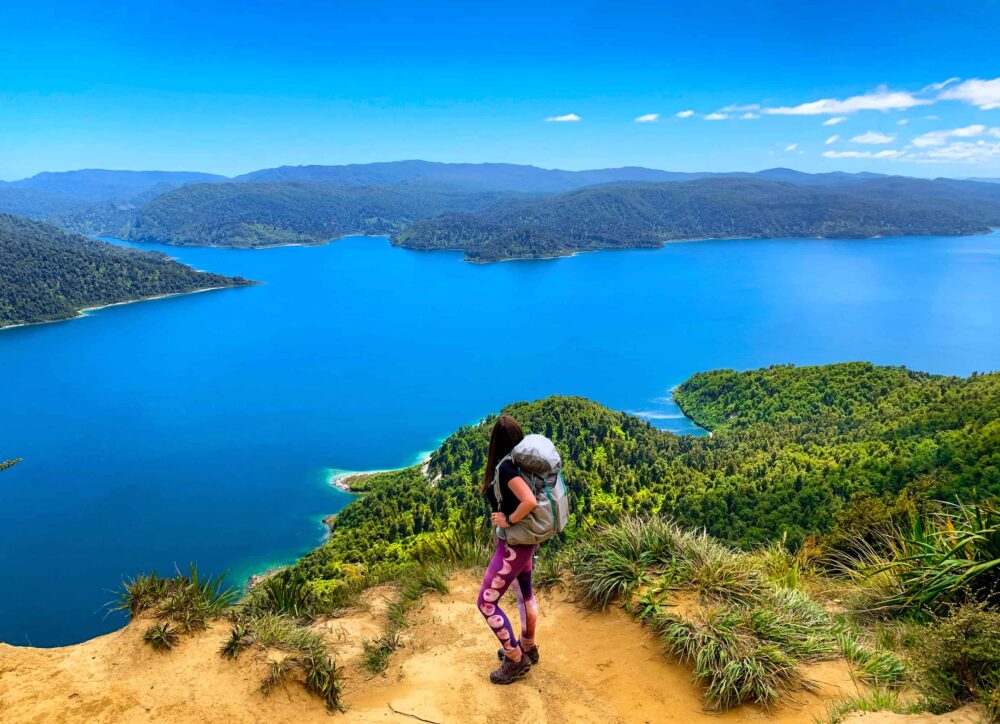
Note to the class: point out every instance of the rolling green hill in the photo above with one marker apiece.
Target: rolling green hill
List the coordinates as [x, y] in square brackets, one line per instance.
[290, 212]
[48, 274]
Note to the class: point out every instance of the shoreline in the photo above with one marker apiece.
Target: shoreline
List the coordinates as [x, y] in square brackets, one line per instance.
[341, 479]
[389, 237]
[83, 311]
[686, 240]
[248, 248]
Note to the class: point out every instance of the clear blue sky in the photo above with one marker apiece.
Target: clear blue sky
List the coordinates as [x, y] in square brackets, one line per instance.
[234, 86]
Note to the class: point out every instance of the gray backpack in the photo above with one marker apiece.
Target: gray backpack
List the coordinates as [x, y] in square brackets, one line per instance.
[539, 463]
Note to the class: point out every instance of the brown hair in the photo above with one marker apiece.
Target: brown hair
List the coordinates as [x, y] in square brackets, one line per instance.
[506, 434]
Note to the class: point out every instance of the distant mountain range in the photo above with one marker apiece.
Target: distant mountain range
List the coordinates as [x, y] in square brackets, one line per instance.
[496, 211]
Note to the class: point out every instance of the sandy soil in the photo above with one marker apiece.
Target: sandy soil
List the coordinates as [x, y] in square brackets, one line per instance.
[966, 715]
[595, 667]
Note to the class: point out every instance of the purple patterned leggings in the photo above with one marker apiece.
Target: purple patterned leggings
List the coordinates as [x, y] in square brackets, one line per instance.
[510, 564]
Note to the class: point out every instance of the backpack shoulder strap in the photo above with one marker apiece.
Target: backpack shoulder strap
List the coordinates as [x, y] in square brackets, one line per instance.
[496, 478]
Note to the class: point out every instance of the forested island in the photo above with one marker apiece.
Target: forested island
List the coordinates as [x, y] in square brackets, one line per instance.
[48, 274]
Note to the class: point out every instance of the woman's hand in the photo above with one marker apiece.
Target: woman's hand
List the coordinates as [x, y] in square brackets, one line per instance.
[499, 519]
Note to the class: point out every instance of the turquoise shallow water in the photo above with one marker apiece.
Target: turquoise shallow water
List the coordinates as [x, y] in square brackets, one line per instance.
[202, 428]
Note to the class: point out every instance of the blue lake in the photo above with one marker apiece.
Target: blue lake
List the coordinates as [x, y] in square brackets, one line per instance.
[204, 427]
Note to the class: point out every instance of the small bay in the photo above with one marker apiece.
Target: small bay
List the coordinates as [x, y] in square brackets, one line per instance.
[205, 427]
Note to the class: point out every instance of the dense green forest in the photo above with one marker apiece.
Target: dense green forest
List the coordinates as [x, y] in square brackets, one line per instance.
[620, 216]
[793, 452]
[497, 211]
[48, 274]
[288, 212]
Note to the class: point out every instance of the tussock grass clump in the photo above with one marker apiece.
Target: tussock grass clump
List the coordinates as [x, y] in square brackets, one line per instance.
[240, 638]
[752, 625]
[188, 600]
[733, 664]
[784, 568]
[309, 657]
[318, 674]
[717, 572]
[282, 594]
[876, 667]
[162, 637]
[623, 559]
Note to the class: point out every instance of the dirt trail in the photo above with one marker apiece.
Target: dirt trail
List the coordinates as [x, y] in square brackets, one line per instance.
[596, 667]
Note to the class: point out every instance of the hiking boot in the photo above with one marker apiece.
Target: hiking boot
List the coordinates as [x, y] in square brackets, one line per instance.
[509, 671]
[531, 654]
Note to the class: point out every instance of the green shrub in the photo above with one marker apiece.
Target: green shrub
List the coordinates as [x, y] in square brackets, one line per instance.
[951, 558]
[958, 657]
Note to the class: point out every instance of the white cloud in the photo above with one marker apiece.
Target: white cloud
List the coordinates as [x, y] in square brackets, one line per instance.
[832, 139]
[568, 118]
[792, 147]
[648, 118]
[940, 138]
[716, 116]
[939, 86]
[740, 109]
[863, 154]
[748, 116]
[881, 99]
[902, 121]
[834, 121]
[873, 137]
[684, 114]
[984, 94]
[933, 118]
[963, 152]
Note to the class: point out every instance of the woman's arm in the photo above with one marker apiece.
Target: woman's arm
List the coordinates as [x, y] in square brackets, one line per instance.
[526, 502]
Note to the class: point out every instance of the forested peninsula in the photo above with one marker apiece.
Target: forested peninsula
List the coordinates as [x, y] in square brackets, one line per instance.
[647, 215]
[48, 274]
[795, 452]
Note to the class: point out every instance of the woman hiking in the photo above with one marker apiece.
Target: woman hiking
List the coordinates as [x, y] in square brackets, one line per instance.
[510, 563]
